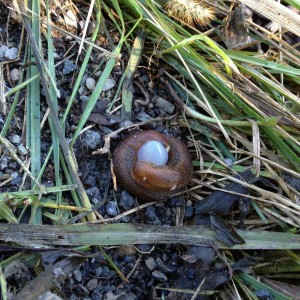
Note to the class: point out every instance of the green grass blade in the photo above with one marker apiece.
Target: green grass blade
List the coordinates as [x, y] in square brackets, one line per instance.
[33, 106]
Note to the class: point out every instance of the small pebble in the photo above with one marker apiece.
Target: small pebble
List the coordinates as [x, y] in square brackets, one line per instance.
[159, 275]
[165, 105]
[151, 216]
[92, 284]
[11, 53]
[94, 194]
[3, 163]
[9, 171]
[176, 201]
[82, 89]
[144, 247]
[111, 208]
[229, 162]
[125, 219]
[143, 117]
[15, 139]
[22, 150]
[110, 83]
[14, 174]
[58, 272]
[91, 139]
[294, 182]
[81, 24]
[90, 83]
[150, 263]
[84, 98]
[263, 294]
[15, 74]
[13, 165]
[3, 49]
[68, 67]
[145, 78]
[77, 275]
[206, 254]
[162, 266]
[126, 200]
[99, 271]
[105, 271]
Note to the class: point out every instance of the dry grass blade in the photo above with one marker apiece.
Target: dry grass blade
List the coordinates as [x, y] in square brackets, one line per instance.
[256, 147]
[277, 13]
[3, 105]
[129, 234]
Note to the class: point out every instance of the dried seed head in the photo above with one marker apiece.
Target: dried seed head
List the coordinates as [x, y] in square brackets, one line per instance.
[190, 11]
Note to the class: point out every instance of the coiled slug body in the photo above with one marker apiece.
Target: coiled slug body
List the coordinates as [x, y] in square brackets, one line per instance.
[152, 180]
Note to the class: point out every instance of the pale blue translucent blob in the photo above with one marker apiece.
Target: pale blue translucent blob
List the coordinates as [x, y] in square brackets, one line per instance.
[153, 152]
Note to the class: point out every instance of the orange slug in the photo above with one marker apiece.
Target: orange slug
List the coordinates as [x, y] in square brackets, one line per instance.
[152, 166]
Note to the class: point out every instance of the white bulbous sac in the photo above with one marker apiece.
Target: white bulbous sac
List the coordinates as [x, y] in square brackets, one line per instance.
[153, 152]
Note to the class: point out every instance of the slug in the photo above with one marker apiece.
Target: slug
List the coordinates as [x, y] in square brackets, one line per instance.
[152, 166]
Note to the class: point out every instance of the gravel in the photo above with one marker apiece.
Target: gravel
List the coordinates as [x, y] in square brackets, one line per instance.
[11, 53]
[90, 83]
[110, 83]
[69, 67]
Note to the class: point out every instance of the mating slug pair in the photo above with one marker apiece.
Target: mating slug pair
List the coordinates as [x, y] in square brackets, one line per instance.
[152, 166]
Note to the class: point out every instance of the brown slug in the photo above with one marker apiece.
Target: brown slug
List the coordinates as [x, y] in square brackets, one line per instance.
[152, 166]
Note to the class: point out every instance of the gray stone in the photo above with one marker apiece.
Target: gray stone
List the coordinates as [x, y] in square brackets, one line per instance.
[151, 216]
[92, 284]
[165, 105]
[294, 182]
[4, 163]
[126, 200]
[22, 150]
[90, 83]
[229, 162]
[16, 180]
[84, 98]
[11, 53]
[69, 67]
[77, 275]
[159, 275]
[15, 139]
[3, 49]
[111, 208]
[143, 117]
[94, 194]
[110, 83]
[206, 254]
[15, 74]
[98, 271]
[150, 263]
[13, 165]
[91, 139]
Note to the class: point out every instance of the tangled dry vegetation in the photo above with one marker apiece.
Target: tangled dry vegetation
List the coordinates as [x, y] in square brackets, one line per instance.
[222, 75]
